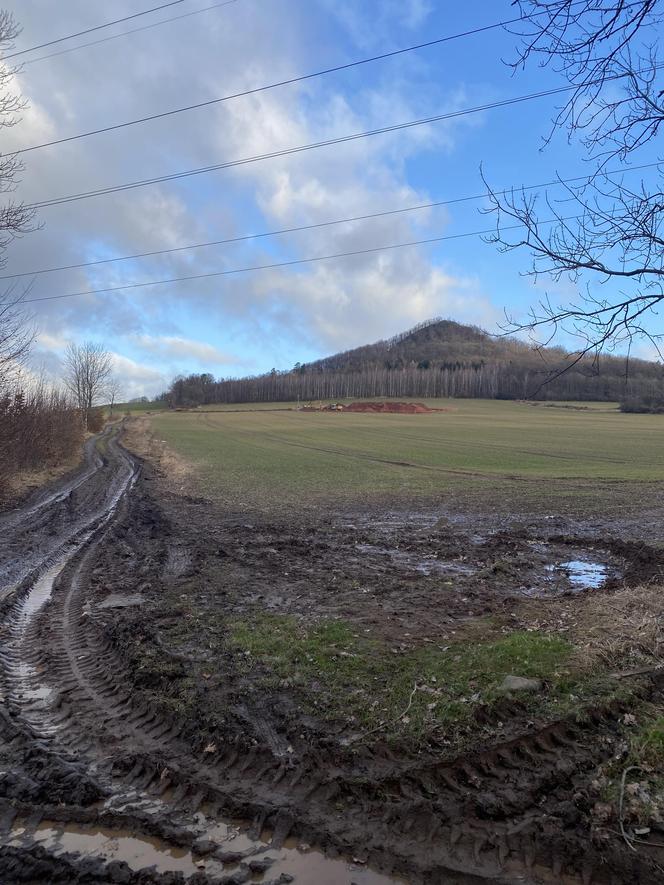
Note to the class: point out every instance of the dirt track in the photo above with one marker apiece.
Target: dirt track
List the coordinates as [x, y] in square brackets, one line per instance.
[92, 748]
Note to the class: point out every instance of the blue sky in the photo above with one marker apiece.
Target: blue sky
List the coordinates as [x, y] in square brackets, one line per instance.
[248, 323]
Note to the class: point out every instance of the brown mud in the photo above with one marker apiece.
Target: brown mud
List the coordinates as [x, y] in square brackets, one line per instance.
[132, 750]
[397, 408]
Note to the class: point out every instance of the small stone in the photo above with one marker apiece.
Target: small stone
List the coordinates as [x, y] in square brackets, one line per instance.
[260, 865]
[118, 871]
[520, 683]
[243, 875]
[203, 847]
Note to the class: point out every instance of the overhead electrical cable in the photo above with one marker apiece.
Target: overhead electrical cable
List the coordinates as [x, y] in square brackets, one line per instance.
[276, 85]
[163, 21]
[116, 21]
[321, 224]
[293, 262]
[284, 152]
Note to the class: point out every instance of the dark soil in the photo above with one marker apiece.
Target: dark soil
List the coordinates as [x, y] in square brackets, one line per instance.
[398, 408]
[137, 712]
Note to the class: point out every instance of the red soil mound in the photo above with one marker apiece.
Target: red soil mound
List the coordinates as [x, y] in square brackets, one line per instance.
[401, 408]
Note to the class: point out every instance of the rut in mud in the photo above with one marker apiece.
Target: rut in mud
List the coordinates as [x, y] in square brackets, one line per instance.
[101, 782]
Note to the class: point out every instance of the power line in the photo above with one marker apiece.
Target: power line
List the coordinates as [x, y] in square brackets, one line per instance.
[163, 21]
[288, 82]
[343, 139]
[272, 266]
[117, 21]
[321, 224]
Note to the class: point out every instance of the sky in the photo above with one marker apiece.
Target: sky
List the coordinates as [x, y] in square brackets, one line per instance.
[245, 323]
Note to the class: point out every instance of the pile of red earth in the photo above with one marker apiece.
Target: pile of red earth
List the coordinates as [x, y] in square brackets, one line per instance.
[401, 408]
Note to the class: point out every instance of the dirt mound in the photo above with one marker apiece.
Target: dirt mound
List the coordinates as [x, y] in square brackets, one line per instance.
[400, 408]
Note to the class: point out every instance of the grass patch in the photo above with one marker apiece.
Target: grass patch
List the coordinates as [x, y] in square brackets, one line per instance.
[647, 745]
[339, 674]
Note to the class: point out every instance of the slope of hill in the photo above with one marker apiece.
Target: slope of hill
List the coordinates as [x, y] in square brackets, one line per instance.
[434, 343]
[439, 358]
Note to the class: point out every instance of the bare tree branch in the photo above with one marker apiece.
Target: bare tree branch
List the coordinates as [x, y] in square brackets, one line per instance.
[603, 235]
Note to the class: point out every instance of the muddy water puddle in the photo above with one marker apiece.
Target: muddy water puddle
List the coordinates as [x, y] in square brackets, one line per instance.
[136, 851]
[26, 685]
[303, 863]
[501, 561]
[581, 574]
[424, 565]
[40, 593]
[309, 865]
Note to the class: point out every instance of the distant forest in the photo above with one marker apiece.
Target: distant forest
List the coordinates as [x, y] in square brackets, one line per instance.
[439, 358]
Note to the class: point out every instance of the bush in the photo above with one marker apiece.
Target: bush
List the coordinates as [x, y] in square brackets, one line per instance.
[96, 420]
[38, 428]
[653, 405]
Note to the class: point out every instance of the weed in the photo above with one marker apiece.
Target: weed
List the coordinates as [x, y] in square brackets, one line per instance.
[647, 745]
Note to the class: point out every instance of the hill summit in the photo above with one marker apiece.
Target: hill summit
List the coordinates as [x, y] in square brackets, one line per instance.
[435, 342]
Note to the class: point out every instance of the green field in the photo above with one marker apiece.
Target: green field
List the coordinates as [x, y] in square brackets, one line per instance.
[506, 454]
[133, 408]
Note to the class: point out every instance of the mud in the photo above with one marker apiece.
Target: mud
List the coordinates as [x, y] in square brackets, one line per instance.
[132, 751]
[397, 408]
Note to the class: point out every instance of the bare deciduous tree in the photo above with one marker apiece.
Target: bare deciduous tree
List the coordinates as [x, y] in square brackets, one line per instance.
[113, 391]
[604, 233]
[15, 219]
[88, 371]
[16, 336]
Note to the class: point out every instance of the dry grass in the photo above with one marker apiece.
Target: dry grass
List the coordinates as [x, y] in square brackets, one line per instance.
[139, 438]
[25, 481]
[619, 630]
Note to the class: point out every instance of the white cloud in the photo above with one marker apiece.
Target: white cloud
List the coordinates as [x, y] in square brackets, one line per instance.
[174, 348]
[369, 26]
[137, 379]
[51, 342]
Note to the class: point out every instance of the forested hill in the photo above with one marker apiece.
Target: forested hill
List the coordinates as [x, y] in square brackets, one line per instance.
[439, 358]
[438, 343]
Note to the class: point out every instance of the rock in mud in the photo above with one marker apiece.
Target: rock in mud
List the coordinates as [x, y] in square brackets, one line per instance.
[203, 847]
[520, 684]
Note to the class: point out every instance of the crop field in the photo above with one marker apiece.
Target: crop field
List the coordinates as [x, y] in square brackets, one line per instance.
[499, 455]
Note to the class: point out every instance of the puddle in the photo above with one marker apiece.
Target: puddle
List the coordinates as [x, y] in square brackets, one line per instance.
[309, 865]
[39, 593]
[304, 863]
[136, 851]
[25, 683]
[580, 573]
[30, 689]
[424, 565]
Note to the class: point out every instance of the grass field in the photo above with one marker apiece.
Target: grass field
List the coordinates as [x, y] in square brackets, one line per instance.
[478, 451]
[134, 408]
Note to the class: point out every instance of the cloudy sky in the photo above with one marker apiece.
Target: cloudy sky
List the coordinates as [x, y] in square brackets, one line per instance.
[243, 323]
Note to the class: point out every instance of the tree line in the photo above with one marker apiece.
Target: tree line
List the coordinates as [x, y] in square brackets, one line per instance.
[436, 359]
[483, 381]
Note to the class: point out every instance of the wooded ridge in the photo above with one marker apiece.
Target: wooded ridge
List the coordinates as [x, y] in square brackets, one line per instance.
[437, 358]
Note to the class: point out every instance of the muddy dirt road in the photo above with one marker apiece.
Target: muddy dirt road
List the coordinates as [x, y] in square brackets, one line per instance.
[103, 781]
